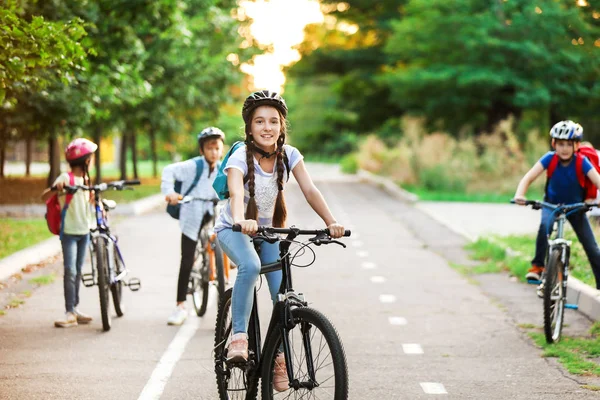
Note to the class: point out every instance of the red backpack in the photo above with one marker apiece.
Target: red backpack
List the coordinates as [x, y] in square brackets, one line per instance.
[589, 189]
[54, 213]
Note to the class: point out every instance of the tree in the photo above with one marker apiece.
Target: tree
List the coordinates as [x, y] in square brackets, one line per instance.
[471, 62]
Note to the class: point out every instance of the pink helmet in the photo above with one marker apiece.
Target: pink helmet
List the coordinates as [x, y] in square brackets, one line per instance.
[79, 148]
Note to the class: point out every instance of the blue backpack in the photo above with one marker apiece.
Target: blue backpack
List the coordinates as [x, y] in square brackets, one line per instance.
[220, 182]
[173, 211]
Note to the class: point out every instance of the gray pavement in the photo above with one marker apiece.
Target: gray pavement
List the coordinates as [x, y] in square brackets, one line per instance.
[395, 269]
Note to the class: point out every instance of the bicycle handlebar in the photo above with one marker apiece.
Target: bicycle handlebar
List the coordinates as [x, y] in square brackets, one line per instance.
[189, 199]
[117, 185]
[536, 205]
[287, 231]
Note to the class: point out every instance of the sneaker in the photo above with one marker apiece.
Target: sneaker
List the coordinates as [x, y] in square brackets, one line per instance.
[280, 376]
[82, 318]
[535, 273]
[178, 317]
[67, 321]
[238, 348]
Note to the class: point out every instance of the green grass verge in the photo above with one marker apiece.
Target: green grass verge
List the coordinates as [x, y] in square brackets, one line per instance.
[18, 234]
[429, 195]
[43, 279]
[576, 354]
[493, 259]
[138, 192]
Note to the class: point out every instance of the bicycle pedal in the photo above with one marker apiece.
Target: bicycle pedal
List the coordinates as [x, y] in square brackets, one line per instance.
[572, 306]
[134, 284]
[533, 281]
[88, 280]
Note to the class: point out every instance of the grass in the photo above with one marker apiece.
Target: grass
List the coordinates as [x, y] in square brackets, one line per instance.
[147, 188]
[17, 234]
[575, 354]
[14, 303]
[429, 195]
[43, 279]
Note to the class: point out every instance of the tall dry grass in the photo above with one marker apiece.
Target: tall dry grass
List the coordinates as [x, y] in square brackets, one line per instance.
[436, 161]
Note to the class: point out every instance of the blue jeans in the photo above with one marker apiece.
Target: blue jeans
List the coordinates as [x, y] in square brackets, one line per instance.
[240, 249]
[74, 248]
[584, 233]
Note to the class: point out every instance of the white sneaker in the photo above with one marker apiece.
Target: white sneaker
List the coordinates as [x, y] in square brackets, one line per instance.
[178, 317]
[67, 321]
[82, 318]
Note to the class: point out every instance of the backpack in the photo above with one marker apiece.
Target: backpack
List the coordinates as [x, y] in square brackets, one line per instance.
[589, 190]
[220, 182]
[54, 213]
[173, 210]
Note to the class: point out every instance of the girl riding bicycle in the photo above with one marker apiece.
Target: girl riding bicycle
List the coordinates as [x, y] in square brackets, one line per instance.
[255, 178]
[77, 220]
[563, 187]
[193, 215]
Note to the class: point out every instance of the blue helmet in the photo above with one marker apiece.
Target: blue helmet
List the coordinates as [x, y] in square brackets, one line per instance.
[567, 130]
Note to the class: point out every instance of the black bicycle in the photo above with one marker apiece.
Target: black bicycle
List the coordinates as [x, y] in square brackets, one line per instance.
[108, 267]
[315, 360]
[211, 266]
[553, 285]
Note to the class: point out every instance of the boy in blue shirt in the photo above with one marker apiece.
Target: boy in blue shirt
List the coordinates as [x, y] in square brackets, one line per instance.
[563, 188]
[195, 214]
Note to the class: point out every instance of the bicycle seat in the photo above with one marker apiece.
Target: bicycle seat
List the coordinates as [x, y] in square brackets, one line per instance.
[109, 204]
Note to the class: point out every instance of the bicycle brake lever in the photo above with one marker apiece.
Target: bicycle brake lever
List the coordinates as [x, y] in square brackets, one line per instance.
[337, 242]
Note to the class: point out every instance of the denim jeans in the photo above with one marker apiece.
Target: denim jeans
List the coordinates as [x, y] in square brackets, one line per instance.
[240, 249]
[584, 233]
[74, 249]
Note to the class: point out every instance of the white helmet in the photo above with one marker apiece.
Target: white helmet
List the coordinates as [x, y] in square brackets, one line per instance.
[567, 130]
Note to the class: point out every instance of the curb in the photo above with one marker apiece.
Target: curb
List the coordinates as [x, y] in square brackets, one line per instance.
[584, 296]
[37, 253]
[387, 185]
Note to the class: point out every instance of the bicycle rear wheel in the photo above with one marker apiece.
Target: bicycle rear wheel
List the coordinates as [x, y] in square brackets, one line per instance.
[233, 382]
[103, 283]
[554, 297]
[317, 359]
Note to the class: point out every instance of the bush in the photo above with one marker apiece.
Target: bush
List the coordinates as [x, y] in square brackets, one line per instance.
[349, 164]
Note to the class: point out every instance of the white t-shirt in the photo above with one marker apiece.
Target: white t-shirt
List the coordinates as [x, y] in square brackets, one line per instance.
[80, 217]
[265, 186]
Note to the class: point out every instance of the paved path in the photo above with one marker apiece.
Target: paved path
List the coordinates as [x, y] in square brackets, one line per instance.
[411, 325]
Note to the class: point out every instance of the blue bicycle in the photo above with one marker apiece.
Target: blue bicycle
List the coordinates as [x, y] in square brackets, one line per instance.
[108, 267]
[553, 285]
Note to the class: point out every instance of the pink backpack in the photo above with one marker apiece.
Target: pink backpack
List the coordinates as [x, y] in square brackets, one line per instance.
[54, 213]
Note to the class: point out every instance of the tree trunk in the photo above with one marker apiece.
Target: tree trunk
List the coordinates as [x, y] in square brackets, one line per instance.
[2, 157]
[153, 152]
[98, 161]
[28, 145]
[54, 158]
[133, 142]
[123, 157]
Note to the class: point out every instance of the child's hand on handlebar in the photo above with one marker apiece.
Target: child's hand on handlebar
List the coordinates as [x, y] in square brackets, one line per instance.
[520, 200]
[336, 230]
[249, 226]
[59, 186]
[173, 198]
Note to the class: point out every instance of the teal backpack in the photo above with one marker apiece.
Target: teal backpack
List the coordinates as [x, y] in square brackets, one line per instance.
[173, 211]
[220, 182]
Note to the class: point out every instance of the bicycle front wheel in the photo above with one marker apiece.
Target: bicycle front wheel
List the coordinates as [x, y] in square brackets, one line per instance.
[117, 287]
[317, 359]
[220, 268]
[103, 281]
[554, 297]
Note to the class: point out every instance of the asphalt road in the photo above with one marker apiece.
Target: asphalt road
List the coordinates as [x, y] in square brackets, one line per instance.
[412, 327]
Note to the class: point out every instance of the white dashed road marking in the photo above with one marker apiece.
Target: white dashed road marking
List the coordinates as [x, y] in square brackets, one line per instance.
[357, 243]
[412, 348]
[377, 279]
[368, 265]
[387, 298]
[397, 321]
[362, 254]
[433, 388]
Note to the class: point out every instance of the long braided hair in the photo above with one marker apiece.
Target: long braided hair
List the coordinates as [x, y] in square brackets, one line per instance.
[280, 212]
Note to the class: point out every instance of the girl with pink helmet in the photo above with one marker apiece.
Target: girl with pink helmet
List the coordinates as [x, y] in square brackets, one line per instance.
[76, 220]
